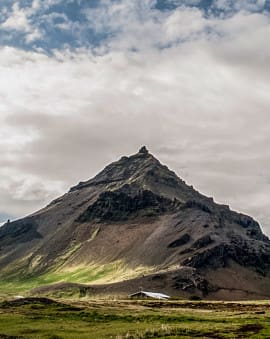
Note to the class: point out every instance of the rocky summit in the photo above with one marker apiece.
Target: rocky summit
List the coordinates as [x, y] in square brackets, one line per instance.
[137, 224]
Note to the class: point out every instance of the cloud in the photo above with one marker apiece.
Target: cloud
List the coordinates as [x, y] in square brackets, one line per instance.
[58, 20]
[32, 21]
[194, 88]
[147, 26]
[56, 24]
[247, 5]
[19, 19]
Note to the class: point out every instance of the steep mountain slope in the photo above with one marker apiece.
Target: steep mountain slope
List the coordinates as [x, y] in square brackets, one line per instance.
[137, 220]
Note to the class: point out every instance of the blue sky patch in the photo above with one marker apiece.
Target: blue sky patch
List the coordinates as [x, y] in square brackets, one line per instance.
[62, 24]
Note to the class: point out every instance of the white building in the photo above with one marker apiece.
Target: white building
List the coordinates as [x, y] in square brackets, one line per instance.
[150, 295]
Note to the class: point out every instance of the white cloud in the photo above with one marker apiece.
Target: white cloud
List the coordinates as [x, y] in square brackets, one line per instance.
[184, 23]
[247, 5]
[58, 20]
[19, 19]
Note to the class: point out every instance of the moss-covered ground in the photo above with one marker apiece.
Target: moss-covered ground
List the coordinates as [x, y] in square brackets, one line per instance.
[119, 319]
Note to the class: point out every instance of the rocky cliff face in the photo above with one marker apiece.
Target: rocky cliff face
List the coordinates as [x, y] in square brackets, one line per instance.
[138, 212]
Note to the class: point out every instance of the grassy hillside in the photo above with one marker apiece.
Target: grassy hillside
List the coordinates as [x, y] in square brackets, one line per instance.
[104, 273]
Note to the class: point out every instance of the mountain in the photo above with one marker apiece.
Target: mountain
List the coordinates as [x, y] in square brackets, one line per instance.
[137, 224]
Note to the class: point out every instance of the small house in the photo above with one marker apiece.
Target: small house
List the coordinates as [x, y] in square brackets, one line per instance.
[149, 295]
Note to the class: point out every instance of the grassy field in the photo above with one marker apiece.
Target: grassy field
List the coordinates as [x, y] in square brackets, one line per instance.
[97, 319]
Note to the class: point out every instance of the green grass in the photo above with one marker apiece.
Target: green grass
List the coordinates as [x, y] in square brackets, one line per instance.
[111, 272]
[80, 275]
[130, 319]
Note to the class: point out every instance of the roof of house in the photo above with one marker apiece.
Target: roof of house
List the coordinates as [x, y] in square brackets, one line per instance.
[152, 295]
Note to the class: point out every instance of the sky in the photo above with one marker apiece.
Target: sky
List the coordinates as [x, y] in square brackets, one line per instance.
[83, 82]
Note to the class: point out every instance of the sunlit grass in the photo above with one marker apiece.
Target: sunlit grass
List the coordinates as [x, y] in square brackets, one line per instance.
[98, 274]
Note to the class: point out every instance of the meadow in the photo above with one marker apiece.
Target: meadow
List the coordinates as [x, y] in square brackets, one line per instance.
[137, 319]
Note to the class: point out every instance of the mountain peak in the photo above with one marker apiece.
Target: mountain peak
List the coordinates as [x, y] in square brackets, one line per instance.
[143, 150]
[127, 168]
